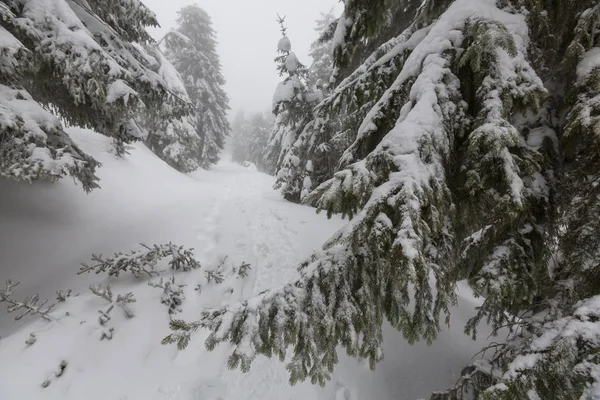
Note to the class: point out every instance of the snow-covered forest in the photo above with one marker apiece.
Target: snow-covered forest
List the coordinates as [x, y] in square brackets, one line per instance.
[273, 199]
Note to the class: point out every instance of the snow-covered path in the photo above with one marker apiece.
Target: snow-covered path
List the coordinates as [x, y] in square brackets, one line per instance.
[229, 215]
[48, 230]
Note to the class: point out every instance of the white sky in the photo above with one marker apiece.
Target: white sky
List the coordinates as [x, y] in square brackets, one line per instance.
[248, 33]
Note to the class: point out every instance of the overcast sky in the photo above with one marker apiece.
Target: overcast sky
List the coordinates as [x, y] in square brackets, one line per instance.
[248, 33]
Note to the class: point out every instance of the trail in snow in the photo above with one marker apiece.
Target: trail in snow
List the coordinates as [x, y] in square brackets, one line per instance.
[229, 215]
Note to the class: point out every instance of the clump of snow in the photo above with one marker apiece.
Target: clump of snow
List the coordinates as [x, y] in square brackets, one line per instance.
[8, 42]
[339, 36]
[309, 166]
[172, 78]
[316, 96]
[18, 105]
[119, 90]
[284, 44]
[589, 62]
[291, 62]
[287, 90]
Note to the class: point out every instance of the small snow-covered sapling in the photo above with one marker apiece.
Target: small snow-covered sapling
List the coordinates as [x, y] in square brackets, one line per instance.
[63, 295]
[244, 269]
[172, 296]
[217, 276]
[29, 306]
[105, 316]
[122, 301]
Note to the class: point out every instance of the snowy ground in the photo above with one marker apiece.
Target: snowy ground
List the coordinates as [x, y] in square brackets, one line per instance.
[48, 230]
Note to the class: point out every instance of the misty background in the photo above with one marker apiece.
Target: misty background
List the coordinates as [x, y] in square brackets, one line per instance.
[247, 35]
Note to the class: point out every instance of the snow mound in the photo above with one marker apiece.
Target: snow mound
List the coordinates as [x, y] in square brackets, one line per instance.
[284, 44]
[250, 166]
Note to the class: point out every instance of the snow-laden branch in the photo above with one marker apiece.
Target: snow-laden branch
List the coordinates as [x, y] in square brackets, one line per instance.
[29, 306]
[143, 262]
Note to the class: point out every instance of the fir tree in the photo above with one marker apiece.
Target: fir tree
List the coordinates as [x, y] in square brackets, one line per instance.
[321, 51]
[250, 138]
[466, 156]
[292, 106]
[83, 61]
[172, 136]
[191, 47]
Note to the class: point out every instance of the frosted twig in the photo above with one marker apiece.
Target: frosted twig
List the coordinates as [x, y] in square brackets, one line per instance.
[244, 269]
[62, 295]
[217, 276]
[121, 300]
[29, 306]
[172, 296]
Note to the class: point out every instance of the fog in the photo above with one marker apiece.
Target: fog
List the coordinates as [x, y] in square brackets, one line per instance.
[247, 32]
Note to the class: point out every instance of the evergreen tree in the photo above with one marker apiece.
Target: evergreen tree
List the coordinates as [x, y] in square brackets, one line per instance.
[321, 51]
[292, 107]
[173, 139]
[467, 156]
[250, 138]
[191, 47]
[81, 60]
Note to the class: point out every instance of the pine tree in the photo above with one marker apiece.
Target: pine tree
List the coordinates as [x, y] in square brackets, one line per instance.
[467, 156]
[191, 47]
[81, 60]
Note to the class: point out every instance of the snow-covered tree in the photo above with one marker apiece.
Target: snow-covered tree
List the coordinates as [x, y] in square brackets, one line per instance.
[172, 136]
[321, 51]
[250, 138]
[462, 152]
[292, 106]
[191, 47]
[84, 61]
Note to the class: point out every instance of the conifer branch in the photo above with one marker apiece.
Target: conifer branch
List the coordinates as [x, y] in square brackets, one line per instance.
[29, 306]
[140, 263]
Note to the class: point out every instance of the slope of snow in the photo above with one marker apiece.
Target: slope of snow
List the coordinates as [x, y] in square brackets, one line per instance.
[48, 230]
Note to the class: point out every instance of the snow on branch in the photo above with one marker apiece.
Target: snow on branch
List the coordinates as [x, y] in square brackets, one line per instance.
[122, 300]
[140, 262]
[395, 260]
[172, 295]
[29, 306]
